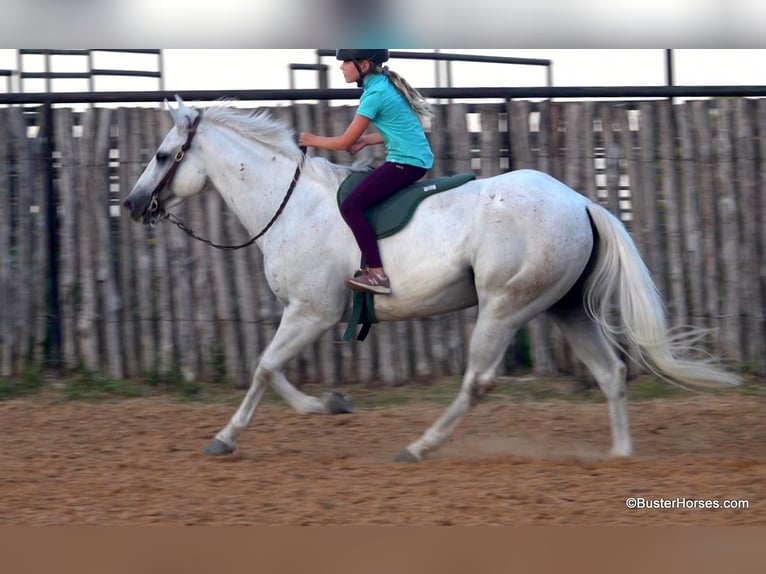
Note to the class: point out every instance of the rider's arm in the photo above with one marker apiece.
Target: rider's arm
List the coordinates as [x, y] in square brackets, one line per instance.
[342, 142]
[372, 138]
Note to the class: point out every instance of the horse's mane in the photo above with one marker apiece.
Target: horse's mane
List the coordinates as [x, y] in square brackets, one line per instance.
[263, 127]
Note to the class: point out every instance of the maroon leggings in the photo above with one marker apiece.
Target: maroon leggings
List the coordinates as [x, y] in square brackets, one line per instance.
[381, 184]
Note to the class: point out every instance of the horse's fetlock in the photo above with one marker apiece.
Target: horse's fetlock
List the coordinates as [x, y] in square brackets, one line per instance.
[479, 389]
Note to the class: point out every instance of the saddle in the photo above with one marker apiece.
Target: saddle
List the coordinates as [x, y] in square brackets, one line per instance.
[388, 217]
[393, 214]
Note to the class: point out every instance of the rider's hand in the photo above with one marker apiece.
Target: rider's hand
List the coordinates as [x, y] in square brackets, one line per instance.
[306, 139]
[357, 145]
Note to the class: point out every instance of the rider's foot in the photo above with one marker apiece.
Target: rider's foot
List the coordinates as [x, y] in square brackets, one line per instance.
[371, 281]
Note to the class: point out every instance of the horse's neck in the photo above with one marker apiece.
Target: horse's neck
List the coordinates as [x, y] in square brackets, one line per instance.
[252, 180]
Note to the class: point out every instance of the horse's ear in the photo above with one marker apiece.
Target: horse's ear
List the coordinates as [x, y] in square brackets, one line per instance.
[184, 114]
[178, 117]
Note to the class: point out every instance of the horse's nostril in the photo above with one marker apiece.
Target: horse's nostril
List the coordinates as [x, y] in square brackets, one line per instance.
[128, 204]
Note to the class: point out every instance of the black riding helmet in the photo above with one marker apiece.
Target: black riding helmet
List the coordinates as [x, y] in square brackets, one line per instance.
[377, 57]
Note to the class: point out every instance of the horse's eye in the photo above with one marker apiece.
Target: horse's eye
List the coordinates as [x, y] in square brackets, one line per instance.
[162, 156]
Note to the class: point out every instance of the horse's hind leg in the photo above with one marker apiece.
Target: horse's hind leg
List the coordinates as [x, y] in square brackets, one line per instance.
[489, 341]
[591, 347]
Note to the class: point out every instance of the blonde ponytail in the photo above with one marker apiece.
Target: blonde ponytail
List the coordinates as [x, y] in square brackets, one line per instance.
[415, 99]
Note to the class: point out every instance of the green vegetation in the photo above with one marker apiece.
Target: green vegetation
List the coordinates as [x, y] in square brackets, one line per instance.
[517, 390]
[89, 386]
[30, 383]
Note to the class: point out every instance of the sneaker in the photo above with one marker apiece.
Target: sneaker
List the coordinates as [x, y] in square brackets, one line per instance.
[371, 282]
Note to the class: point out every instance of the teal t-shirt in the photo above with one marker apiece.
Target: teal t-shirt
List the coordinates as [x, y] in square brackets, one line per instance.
[396, 121]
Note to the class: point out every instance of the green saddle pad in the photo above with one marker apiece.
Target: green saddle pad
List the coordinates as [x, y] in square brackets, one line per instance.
[392, 214]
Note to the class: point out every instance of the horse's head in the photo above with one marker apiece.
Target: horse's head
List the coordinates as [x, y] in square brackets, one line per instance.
[173, 174]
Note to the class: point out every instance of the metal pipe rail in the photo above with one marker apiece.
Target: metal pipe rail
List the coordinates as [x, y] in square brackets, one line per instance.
[502, 93]
[475, 58]
[446, 56]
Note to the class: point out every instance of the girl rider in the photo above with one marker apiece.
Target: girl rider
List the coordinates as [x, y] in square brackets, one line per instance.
[394, 108]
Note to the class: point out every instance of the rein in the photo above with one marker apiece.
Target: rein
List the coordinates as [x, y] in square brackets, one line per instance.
[154, 206]
[178, 222]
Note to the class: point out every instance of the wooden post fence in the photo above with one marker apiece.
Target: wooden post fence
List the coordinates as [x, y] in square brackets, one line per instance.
[135, 301]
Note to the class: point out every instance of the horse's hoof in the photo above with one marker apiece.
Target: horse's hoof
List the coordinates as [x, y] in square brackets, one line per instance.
[337, 403]
[406, 456]
[218, 448]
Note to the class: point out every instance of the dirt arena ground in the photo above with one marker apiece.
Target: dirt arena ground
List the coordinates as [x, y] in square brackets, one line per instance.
[139, 461]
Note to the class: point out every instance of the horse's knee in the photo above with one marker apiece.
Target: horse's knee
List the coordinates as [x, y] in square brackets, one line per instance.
[263, 374]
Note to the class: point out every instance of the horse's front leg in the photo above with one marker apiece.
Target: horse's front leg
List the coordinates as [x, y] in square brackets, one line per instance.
[295, 333]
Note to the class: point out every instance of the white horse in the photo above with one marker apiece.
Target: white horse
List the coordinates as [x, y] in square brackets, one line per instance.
[517, 244]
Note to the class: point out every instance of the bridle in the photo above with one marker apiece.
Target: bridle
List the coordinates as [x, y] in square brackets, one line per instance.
[157, 214]
[154, 210]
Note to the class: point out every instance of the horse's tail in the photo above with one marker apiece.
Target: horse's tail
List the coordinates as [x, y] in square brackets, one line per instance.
[620, 275]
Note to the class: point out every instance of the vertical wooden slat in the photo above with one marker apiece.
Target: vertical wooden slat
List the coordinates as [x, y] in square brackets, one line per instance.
[518, 128]
[749, 291]
[612, 155]
[68, 208]
[729, 230]
[588, 153]
[362, 368]
[128, 127]
[256, 285]
[208, 344]
[648, 189]
[573, 176]
[165, 351]
[670, 213]
[87, 326]
[145, 245]
[181, 279]
[541, 328]
[222, 287]
[459, 141]
[553, 134]
[105, 271]
[420, 343]
[389, 369]
[543, 161]
[338, 358]
[7, 302]
[40, 228]
[161, 280]
[631, 215]
[707, 198]
[521, 157]
[489, 140]
[438, 137]
[690, 216]
[634, 175]
[402, 344]
[245, 303]
[760, 121]
[428, 332]
[22, 269]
